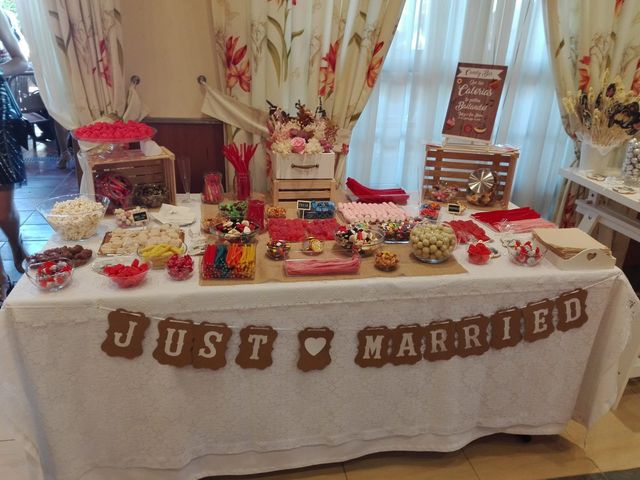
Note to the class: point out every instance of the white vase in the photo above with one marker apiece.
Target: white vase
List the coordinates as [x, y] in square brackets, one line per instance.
[609, 164]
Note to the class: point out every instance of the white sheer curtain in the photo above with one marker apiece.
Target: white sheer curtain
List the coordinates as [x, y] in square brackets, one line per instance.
[407, 106]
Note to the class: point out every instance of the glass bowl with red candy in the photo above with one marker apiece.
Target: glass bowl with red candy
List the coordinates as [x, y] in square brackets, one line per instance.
[443, 193]
[479, 253]
[526, 253]
[50, 275]
[180, 267]
[123, 274]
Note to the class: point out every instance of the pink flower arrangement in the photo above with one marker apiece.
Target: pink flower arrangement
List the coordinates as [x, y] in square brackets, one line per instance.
[306, 133]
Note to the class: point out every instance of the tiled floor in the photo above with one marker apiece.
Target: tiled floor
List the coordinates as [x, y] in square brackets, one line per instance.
[612, 445]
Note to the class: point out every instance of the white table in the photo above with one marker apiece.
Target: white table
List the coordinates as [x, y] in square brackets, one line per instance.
[78, 411]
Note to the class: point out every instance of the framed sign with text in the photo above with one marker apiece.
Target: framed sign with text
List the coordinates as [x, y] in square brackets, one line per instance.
[474, 101]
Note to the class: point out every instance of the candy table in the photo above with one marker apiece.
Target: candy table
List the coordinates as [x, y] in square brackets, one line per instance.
[83, 414]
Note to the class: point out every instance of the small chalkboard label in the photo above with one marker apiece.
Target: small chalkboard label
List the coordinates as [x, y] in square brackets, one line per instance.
[454, 208]
[304, 205]
[140, 217]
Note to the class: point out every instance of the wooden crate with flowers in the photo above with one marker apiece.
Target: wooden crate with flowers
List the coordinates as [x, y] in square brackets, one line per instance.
[301, 153]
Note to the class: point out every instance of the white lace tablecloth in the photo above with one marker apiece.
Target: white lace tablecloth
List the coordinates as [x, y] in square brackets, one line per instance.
[83, 414]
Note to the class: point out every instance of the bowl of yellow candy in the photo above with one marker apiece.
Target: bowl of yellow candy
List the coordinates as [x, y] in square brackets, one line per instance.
[157, 255]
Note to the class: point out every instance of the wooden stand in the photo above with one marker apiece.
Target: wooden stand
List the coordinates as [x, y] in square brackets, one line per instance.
[159, 169]
[288, 191]
[453, 166]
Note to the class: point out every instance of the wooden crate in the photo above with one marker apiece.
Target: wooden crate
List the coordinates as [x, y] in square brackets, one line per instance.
[451, 166]
[288, 191]
[140, 169]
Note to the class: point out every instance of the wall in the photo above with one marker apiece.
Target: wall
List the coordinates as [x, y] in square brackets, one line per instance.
[168, 43]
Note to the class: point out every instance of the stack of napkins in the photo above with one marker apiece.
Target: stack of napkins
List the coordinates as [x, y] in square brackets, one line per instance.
[567, 242]
[175, 215]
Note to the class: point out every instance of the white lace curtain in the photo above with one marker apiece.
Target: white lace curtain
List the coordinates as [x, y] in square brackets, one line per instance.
[407, 106]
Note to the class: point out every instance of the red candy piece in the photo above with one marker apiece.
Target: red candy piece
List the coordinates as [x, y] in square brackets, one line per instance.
[180, 267]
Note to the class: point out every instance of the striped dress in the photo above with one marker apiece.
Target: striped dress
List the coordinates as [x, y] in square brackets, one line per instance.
[12, 170]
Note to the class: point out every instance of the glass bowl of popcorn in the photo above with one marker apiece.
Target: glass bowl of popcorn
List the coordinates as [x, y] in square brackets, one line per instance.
[74, 217]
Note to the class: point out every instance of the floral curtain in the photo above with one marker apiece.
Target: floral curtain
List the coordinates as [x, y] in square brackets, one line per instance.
[587, 38]
[77, 52]
[289, 50]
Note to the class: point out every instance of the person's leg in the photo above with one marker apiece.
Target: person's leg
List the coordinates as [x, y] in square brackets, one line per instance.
[10, 225]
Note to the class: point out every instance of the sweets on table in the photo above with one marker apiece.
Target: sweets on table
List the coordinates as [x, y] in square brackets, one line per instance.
[371, 212]
[158, 254]
[479, 253]
[377, 195]
[151, 195]
[430, 211]
[255, 213]
[386, 260]
[322, 229]
[77, 255]
[274, 211]
[332, 266]
[76, 218]
[126, 276]
[126, 241]
[208, 225]
[118, 130]
[290, 230]
[180, 267]
[234, 210]
[312, 246]
[212, 190]
[237, 230]
[496, 218]
[51, 275]
[398, 231]
[132, 217]
[468, 230]
[441, 192]
[233, 260]
[359, 237]
[526, 253]
[432, 243]
[278, 249]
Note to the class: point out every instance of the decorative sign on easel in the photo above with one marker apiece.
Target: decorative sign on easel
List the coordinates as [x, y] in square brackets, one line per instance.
[204, 345]
[474, 102]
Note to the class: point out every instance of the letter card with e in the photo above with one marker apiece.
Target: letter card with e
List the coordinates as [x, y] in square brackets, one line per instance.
[474, 102]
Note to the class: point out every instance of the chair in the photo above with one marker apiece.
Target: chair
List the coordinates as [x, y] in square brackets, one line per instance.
[27, 95]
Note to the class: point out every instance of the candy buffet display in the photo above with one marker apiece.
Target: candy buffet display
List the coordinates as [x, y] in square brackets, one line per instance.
[478, 253]
[127, 241]
[157, 255]
[432, 243]
[233, 260]
[317, 209]
[331, 266]
[359, 237]
[150, 195]
[212, 190]
[237, 230]
[631, 163]
[123, 275]
[180, 267]
[527, 253]
[430, 211]
[274, 211]
[132, 217]
[278, 249]
[443, 193]
[50, 275]
[74, 217]
[386, 261]
[398, 232]
[467, 230]
[234, 210]
[116, 188]
[482, 187]
[312, 246]
[119, 131]
[371, 212]
[77, 255]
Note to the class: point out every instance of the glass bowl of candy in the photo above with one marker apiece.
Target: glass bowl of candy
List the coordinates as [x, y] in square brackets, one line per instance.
[432, 242]
[74, 217]
[479, 253]
[527, 253]
[398, 231]
[234, 210]
[359, 237]
[312, 246]
[150, 195]
[123, 272]
[180, 267]
[443, 193]
[157, 255]
[50, 275]
[237, 231]
[386, 260]
[278, 249]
